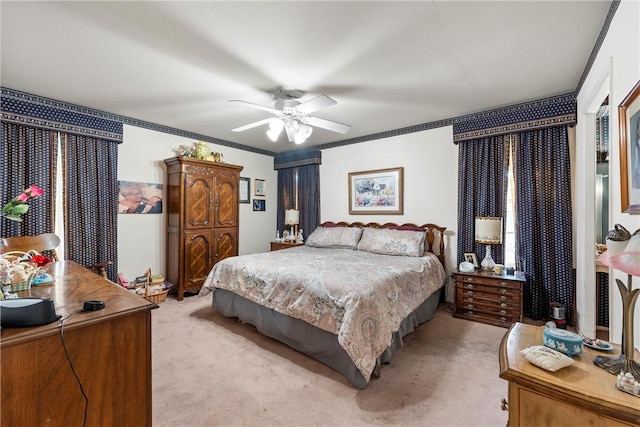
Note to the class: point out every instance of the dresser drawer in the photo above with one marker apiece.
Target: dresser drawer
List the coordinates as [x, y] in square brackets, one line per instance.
[471, 281]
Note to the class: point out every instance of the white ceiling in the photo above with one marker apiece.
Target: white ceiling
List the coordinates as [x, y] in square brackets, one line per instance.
[388, 65]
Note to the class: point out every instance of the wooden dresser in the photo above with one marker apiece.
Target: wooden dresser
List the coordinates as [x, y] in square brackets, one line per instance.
[276, 246]
[202, 224]
[488, 298]
[110, 350]
[579, 395]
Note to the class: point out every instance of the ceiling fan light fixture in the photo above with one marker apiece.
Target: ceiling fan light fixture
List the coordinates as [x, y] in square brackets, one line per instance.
[275, 128]
[304, 132]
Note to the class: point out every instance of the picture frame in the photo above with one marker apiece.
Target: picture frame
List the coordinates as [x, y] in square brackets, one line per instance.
[244, 190]
[259, 205]
[472, 258]
[260, 187]
[139, 197]
[629, 125]
[376, 192]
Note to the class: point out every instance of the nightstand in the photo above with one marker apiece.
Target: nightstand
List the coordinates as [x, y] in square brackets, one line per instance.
[487, 297]
[276, 246]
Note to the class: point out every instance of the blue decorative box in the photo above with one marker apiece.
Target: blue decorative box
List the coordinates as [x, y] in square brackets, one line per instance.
[562, 340]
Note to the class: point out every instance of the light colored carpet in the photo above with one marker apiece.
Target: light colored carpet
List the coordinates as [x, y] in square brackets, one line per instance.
[209, 370]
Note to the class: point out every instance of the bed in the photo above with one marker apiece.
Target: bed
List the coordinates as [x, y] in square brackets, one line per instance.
[346, 298]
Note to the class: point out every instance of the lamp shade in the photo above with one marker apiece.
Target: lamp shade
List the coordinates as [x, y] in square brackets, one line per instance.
[291, 216]
[628, 260]
[488, 230]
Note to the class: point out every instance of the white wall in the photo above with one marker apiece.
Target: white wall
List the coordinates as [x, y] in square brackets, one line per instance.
[430, 161]
[142, 238]
[615, 71]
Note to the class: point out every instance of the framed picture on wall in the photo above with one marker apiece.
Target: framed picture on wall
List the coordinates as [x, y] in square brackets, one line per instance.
[139, 197]
[245, 189]
[259, 205]
[629, 123]
[376, 192]
[259, 187]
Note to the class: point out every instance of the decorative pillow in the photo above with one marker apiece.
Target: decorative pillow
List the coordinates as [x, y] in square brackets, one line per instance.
[392, 242]
[546, 358]
[335, 237]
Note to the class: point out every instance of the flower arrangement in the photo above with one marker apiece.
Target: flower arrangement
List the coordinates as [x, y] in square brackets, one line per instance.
[18, 206]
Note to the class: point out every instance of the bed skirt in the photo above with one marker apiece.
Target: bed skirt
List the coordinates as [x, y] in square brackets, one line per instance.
[312, 341]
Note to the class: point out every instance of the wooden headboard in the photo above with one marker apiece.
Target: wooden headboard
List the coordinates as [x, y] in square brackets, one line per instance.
[434, 233]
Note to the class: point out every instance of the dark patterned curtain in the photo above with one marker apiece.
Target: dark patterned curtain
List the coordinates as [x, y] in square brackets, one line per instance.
[91, 200]
[28, 158]
[299, 185]
[543, 209]
[309, 198]
[482, 183]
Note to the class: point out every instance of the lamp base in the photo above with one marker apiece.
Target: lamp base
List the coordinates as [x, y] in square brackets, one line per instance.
[487, 263]
[628, 372]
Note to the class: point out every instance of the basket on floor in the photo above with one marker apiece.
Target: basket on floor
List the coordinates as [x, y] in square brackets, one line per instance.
[155, 297]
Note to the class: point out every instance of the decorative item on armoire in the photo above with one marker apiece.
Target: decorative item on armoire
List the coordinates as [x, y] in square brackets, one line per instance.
[628, 370]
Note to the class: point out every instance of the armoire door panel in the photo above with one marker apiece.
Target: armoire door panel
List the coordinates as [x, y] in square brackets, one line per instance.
[226, 201]
[199, 257]
[198, 202]
[226, 243]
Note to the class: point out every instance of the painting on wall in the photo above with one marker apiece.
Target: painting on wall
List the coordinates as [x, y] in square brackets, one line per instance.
[139, 197]
[376, 192]
[629, 120]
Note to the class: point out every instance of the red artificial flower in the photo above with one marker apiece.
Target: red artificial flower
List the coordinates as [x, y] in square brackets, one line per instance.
[40, 260]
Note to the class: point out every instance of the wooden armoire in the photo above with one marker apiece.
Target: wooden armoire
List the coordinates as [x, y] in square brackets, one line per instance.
[202, 219]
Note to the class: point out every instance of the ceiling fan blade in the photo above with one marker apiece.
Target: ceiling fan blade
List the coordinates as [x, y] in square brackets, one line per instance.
[315, 104]
[258, 106]
[327, 124]
[251, 125]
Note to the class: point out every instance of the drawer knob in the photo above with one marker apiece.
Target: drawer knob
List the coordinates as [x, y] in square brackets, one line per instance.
[503, 305]
[503, 319]
[503, 283]
[469, 279]
[468, 299]
[503, 312]
[469, 294]
[469, 286]
[503, 291]
[504, 405]
[469, 313]
[469, 306]
[503, 298]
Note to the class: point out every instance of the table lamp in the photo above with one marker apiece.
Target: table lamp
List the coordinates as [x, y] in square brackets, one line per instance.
[292, 218]
[489, 232]
[626, 260]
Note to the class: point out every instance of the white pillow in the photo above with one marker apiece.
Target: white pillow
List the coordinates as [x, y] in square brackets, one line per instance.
[386, 241]
[546, 358]
[335, 237]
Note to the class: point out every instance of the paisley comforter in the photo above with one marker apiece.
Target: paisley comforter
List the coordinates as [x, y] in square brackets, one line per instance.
[359, 296]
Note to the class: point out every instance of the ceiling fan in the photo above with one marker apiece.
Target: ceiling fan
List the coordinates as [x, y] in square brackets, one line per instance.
[293, 116]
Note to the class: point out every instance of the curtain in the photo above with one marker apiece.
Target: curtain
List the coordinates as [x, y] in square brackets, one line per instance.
[482, 183]
[28, 158]
[543, 211]
[91, 200]
[309, 197]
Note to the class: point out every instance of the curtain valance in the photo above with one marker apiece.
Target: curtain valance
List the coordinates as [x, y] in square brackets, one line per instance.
[30, 110]
[538, 114]
[294, 159]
